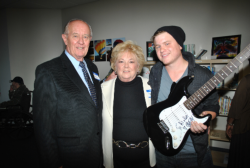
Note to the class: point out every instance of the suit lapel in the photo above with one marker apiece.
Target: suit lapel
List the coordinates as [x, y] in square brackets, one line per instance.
[72, 74]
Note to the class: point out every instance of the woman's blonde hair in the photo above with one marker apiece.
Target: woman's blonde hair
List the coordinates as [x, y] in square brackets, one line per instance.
[127, 46]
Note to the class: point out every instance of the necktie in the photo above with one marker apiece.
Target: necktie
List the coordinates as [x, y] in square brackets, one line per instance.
[90, 84]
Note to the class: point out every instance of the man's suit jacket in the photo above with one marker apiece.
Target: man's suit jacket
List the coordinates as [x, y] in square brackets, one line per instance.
[67, 123]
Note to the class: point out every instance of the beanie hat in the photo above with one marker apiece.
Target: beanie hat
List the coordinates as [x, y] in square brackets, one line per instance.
[17, 79]
[175, 31]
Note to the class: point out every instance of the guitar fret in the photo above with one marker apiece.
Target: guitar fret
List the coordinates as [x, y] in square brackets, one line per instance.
[241, 58]
[192, 104]
[214, 82]
[210, 85]
[238, 60]
[220, 75]
[193, 100]
[229, 69]
[186, 104]
[205, 88]
[224, 72]
[198, 96]
[233, 65]
[200, 91]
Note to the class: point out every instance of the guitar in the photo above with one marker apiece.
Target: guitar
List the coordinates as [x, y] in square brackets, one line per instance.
[168, 123]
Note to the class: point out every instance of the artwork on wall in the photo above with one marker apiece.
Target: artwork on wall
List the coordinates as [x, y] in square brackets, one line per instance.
[117, 41]
[108, 51]
[100, 50]
[90, 55]
[109, 42]
[151, 54]
[226, 47]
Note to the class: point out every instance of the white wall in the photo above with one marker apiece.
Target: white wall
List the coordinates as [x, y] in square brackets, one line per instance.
[137, 20]
[34, 37]
[4, 58]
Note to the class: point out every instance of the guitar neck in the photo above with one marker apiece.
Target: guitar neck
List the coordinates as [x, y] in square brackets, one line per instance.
[202, 92]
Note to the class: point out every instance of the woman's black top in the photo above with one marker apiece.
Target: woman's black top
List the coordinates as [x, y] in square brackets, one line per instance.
[129, 105]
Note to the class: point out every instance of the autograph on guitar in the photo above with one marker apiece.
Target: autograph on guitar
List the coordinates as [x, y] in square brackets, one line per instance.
[168, 123]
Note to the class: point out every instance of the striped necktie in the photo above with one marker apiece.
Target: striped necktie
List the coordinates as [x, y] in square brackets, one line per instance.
[90, 84]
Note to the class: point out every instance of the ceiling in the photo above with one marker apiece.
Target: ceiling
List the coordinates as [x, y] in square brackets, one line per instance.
[42, 4]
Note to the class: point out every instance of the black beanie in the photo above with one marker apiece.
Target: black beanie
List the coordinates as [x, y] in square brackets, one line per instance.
[175, 31]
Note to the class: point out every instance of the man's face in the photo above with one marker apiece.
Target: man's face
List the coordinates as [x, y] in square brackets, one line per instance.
[15, 85]
[77, 40]
[167, 49]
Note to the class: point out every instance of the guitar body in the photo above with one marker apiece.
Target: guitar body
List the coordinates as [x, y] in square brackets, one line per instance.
[168, 123]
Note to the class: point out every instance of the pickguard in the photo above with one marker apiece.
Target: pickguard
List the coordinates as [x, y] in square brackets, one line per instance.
[178, 119]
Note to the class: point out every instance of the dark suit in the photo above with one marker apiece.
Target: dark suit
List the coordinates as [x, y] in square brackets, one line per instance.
[66, 121]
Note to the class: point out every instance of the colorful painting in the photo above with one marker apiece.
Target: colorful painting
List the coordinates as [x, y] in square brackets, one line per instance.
[90, 55]
[117, 41]
[108, 51]
[226, 47]
[151, 54]
[109, 42]
[100, 50]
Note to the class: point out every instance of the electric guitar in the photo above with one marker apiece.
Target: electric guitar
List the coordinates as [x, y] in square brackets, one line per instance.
[168, 123]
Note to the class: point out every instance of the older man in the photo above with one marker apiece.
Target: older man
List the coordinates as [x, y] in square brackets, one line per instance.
[68, 104]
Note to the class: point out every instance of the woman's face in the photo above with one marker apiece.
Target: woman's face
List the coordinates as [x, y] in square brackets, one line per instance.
[126, 66]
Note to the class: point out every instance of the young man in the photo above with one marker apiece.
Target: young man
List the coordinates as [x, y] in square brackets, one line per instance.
[173, 65]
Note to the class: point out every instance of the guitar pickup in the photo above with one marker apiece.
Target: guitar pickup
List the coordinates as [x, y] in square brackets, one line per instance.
[163, 126]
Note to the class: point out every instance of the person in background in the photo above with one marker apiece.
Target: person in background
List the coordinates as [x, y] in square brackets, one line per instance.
[174, 65]
[17, 89]
[125, 142]
[67, 104]
[238, 126]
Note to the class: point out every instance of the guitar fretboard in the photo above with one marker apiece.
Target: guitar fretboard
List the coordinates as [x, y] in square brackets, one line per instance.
[202, 92]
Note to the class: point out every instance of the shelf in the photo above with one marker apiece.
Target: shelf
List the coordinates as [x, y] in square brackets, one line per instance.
[222, 115]
[225, 89]
[218, 135]
[219, 158]
[149, 63]
[215, 61]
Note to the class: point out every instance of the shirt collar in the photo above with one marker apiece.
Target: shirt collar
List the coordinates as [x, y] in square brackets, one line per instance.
[74, 61]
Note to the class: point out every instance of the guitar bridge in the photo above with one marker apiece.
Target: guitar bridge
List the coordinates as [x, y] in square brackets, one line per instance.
[163, 126]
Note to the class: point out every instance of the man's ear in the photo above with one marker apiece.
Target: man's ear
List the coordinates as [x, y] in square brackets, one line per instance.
[180, 47]
[64, 37]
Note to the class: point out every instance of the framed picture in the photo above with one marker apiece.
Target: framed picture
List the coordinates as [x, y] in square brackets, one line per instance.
[151, 54]
[226, 47]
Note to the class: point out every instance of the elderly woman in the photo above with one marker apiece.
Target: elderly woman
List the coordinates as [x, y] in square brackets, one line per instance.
[125, 142]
